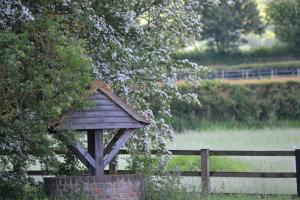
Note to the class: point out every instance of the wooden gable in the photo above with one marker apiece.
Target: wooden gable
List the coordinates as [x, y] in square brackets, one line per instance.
[109, 112]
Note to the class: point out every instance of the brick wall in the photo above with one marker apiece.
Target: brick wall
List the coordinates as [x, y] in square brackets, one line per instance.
[108, 187]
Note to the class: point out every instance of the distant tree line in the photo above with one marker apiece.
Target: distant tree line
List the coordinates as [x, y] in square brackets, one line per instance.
[224, 24]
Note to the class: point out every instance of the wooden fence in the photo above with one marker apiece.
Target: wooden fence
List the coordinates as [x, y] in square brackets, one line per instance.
[205, 172]
[253, 73]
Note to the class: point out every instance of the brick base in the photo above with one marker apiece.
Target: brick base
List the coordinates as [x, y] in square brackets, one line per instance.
[108, 187]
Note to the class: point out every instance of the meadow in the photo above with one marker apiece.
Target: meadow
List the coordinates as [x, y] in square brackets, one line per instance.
[234, 139]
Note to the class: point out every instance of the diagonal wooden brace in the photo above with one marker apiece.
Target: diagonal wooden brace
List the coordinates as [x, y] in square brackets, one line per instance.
[82, 154]
[113, 141]
[118, 145]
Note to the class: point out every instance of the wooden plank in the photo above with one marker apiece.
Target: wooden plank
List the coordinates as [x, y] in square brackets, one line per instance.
[117, 147]
[251, 153]
[205, 175]
[113, 107]
[100, 102]
[297, 157]
[225, 153]
[83, 155]
[99, 114]
[99, 96]
[94, 120]
[113, 141]
[185, 152]
[196, 173]
[102, 126]
[233, 153]
[254, 174]
[216, 153]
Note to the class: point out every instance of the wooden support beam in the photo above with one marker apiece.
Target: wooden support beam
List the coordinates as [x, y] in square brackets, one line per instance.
[99, 153]
[115, 149]
[113, 141]
[95, 148]
[83, 155]
[91, 149]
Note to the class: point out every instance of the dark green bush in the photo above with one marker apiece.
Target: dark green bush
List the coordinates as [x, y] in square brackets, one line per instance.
[251, 104]
[19, 188]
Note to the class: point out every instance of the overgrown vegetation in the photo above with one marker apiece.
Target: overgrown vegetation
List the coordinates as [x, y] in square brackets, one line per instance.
[14, 187]
[246, 104]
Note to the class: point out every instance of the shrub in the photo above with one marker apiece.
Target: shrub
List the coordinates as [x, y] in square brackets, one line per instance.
[250, 104]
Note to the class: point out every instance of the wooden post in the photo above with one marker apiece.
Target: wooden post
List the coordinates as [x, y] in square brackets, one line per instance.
[99, 152]
[247, 73]
[91, 148]
[95, 149]
[205, 175]
[223, 74]
[113, 166]
[297, 156]
[272, 73]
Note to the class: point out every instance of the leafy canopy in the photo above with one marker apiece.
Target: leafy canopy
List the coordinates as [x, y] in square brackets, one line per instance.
[50, 50]
[225, 23]
[284, 16]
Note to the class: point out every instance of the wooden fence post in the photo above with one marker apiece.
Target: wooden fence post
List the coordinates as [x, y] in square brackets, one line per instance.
[223, 74]
[297, 156]
[205, 175]
[113, 166]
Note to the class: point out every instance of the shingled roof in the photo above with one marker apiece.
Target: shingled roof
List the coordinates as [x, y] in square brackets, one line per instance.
[110, 112]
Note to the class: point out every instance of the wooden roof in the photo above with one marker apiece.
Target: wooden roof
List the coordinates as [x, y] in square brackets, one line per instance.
[110, 112]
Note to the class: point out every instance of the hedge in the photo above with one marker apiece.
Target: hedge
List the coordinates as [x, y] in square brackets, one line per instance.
[247, 103]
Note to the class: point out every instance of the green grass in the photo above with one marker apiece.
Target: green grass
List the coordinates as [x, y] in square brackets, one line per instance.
[193, 163]
[262, 57]
[236, 139]
[182, 123]
[249, 197]
[245, 197]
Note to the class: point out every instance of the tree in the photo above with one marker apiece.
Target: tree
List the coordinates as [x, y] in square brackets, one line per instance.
[284, 16]
[43, 73]
[226, 22]
[49, 50]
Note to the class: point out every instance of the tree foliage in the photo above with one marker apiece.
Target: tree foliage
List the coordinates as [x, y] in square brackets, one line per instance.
[284, 16]
[225, 23]
[51, 49]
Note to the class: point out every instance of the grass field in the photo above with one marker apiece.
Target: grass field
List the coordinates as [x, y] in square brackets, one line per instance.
[265, 139]
[281, 79]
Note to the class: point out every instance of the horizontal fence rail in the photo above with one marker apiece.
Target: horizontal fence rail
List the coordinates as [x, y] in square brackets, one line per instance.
[253, 73]
[205, 173]
[234, 74]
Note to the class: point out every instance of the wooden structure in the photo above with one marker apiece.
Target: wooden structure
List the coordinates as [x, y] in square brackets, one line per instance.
[109, 112]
